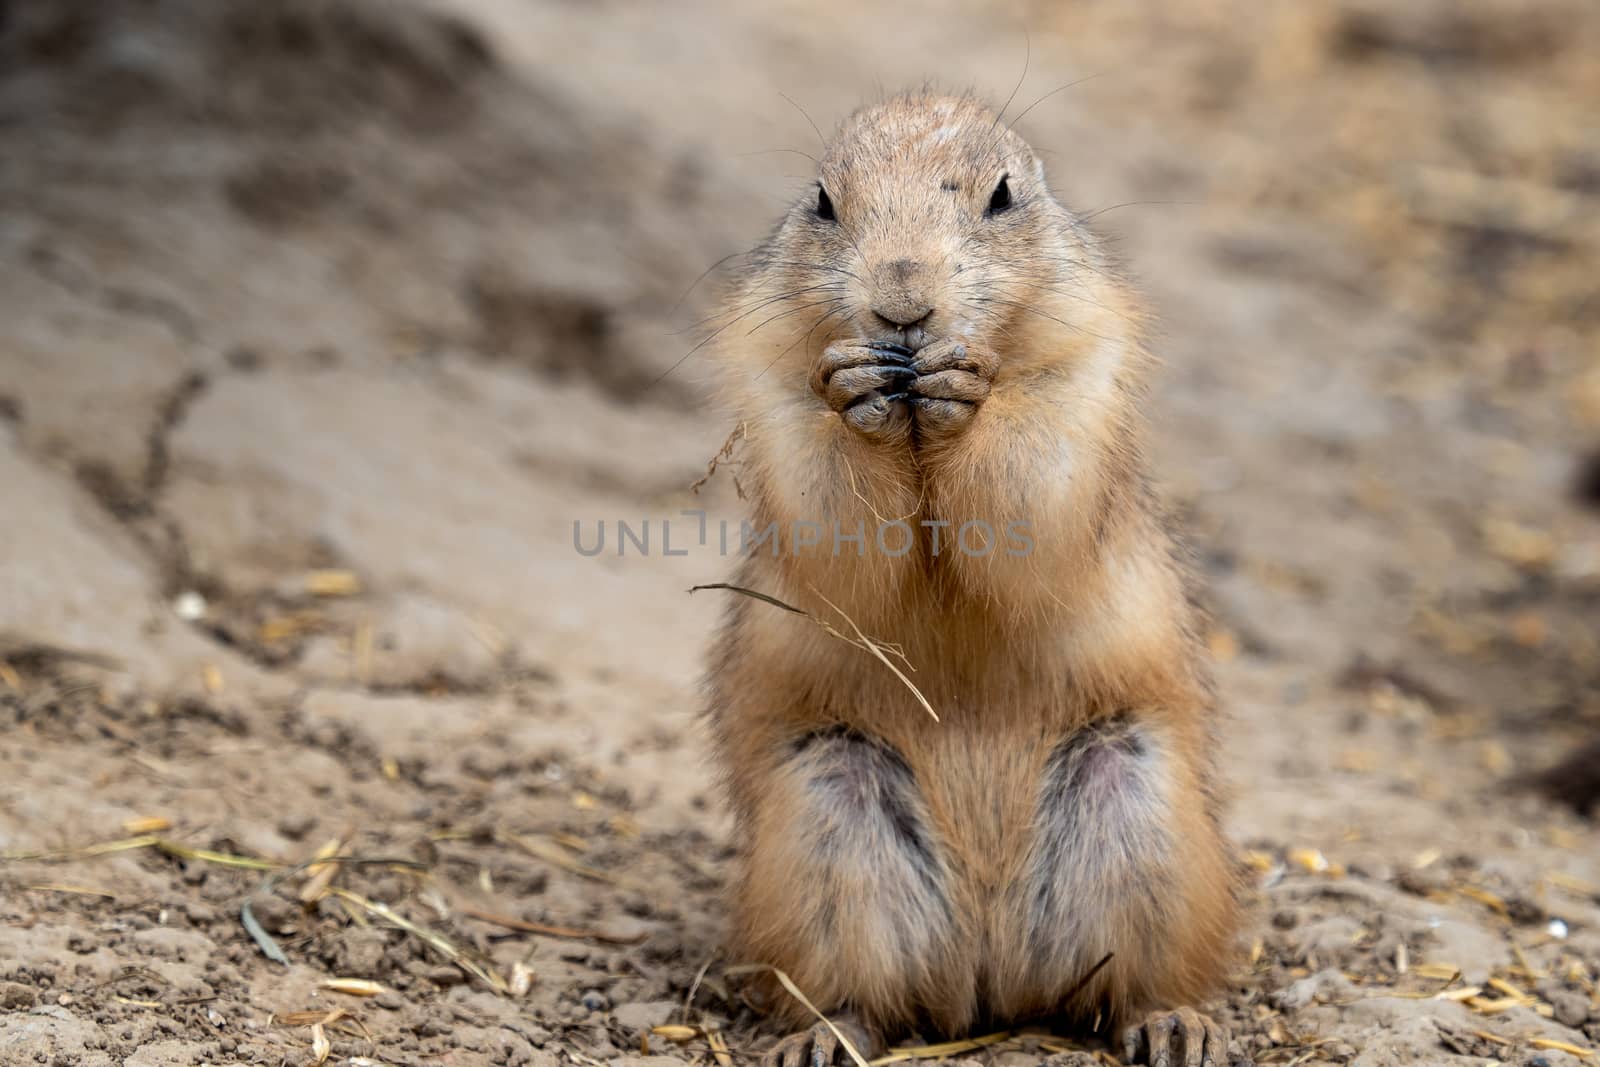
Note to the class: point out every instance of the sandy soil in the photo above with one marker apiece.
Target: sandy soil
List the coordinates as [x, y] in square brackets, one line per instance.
[324, 321]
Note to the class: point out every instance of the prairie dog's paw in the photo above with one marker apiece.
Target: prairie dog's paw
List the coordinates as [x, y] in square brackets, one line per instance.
[952, 380]
[819, 1047]
[866, 382]
[1181, 1038]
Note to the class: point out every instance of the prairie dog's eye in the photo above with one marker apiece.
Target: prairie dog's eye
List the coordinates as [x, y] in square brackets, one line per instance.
[1002, 196]
[824, 205]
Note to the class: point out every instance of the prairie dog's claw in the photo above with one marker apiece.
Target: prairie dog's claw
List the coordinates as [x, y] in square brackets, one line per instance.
[820, 1047]
[893, 348]
[1181, 1038]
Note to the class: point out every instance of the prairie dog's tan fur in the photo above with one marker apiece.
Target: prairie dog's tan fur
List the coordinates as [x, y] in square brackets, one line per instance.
[972, 870]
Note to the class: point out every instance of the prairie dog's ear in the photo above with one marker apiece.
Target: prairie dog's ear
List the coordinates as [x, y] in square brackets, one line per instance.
[1038, 169]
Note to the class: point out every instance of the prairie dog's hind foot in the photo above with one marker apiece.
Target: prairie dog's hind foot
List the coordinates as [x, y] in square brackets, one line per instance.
[821, 1047]
[1181, 1038]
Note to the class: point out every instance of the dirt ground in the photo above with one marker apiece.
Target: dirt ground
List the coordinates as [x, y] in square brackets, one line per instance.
[322, 322]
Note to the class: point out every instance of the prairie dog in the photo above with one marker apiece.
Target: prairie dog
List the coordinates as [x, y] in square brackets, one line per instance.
[928, 344]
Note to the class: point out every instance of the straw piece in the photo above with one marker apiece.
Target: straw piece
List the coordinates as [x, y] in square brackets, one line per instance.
[676, 1032]
[126, 844]
[550, 852]
[355, 987]
[331, 583]
[206, 855]
[877, 649]
[863, 641]
[948, 1048]
[76, 890]
[794, 991]
[572, 932]
[719, 1048]
[1552, 1045]
[438, 942]
[1486, 898]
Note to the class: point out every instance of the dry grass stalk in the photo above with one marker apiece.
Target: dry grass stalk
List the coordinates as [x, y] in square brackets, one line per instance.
[719, 1048]
[282, 628]
[211, 678]
[878, 649]
[794, 991]
[1523, 967]
[571, 932]
[321, 874]
[572, 842]
[1576, 886]
[676, 1032]
[129, 844]
[75, 890]
[222, 859]
[724, 454]
[308, 1018]
[547, 850]
[264, 941]
[361, 652]
[104, 848]
[320, 1045]
[355, 987]
[1485, 1006]
[1463, 994]
[438, 942]
[694, 986]
[1489, 900]
[940, 1051]
[1508, 989]
[331, 583]
[136, 1003]
[1548, 1044]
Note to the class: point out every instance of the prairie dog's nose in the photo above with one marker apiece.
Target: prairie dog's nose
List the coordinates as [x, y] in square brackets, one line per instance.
[901, 314]
[901, 300]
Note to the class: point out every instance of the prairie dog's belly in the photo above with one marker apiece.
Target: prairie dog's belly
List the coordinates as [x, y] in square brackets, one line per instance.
[1031, 861]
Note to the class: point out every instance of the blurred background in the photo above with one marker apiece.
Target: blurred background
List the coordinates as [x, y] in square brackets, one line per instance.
[323, 321]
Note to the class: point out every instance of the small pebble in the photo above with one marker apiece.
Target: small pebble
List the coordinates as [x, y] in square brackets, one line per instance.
[1572, 1009]
[594, 1000]
[14, 996]
[294, 827]
[446, 976]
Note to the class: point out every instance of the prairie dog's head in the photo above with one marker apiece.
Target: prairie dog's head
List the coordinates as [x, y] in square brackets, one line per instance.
[929, 218]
